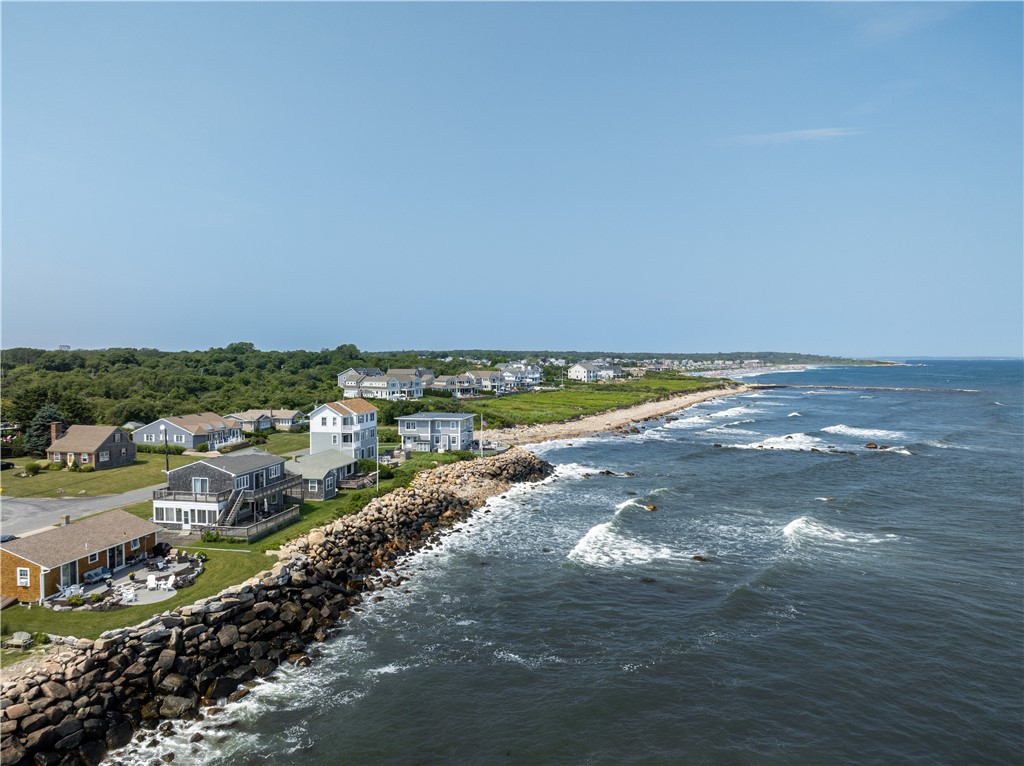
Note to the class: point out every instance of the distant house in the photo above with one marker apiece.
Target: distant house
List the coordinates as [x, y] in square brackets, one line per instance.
[264, 420]
[37, 567]
[520, 374]
[582, 371]
[348, 426]
[323, 472]
[457, 385]
[436, 431]
[350, 378]
[225, 491]
[98, 446]
[384, 386]
[488, 380]
[189, 431]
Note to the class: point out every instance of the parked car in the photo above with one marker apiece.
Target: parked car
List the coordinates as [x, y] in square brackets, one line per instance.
[7, 538]
[5, 465]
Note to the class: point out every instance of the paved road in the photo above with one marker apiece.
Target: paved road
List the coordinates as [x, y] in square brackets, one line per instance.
[21, 515]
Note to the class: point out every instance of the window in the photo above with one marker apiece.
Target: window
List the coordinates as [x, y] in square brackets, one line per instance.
[104, 457]
[149, 437]
[200, 486]
[124, 451]
[56, 457]
[334, 438]
[323, 421]
[241, 482]
[180, 438]
[346, 438]
[275, 471]
[410, 426]
[84, 458]
[312, 485]
[346, 421]
[273, 499]
[93, 558]
[177, 514]
[117, 436]
[135, 544]
[158, 513]
[329, 482]
[23, 577]
[334, 421]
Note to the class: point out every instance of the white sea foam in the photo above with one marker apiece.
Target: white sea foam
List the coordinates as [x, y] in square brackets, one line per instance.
[603, 546]
[793, 442]
[806, 530]
[864, 433]
[794, 415]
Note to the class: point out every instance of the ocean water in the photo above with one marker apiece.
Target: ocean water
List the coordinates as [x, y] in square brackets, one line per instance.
[857, 606]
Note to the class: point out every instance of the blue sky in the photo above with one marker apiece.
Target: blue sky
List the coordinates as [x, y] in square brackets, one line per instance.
[816, 177]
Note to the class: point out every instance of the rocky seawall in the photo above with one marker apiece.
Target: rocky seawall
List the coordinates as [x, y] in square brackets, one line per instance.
[93, 697]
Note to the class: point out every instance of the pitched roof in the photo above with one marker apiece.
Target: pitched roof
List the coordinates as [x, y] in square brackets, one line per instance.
[438, 416]
[74, 541]
[254, 414]
[352, 407]
[83, 439]
[236, 465]
[200, 423]
[319, 463]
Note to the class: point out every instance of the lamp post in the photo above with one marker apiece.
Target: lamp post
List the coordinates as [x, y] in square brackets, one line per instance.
[167, 459]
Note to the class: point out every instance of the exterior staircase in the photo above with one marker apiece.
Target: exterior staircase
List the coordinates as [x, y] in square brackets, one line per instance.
[230, 512]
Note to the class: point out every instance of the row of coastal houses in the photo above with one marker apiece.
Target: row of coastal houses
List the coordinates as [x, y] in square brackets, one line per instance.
[238, 495]
[413, 382]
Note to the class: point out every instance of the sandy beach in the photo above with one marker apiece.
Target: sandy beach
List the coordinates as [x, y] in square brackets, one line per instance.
[606, 421]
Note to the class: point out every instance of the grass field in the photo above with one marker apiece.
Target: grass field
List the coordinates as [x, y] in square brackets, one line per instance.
[283, 442]
[147, 471]
[579, 400]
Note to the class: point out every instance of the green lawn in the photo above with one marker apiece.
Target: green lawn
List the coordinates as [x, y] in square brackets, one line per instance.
[147, 471]
[283, 442]
[223, 569]
[577, 400]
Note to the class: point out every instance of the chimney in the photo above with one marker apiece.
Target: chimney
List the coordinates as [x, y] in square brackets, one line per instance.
[56, 431]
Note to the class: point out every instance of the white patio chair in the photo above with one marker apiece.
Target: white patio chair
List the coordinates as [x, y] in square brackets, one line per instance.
[168, 584]
[151, 582]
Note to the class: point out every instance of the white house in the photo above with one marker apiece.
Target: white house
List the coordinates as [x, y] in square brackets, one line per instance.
[520, 374]
[349, 426]
[457, 385]
[582, 371]
[436, 431]
[488, 380]
[384, 386]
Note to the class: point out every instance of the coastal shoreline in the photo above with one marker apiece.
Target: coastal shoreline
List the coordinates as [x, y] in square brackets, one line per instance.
[602, 422]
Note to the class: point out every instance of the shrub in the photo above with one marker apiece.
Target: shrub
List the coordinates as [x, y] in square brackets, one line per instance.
[76, 600]
[42, 638]
[87, 468]
[202, 447]
[32, 468]
[55, 467]
[172, 449]
[209, 536]
[95, 598]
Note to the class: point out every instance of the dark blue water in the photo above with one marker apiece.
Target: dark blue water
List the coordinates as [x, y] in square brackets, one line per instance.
[857, 605]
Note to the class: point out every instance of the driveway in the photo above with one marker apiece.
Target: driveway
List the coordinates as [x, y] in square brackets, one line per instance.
[22, 515]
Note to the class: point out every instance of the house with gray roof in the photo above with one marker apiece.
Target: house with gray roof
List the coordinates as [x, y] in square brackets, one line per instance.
[436, 431]
[323, 472]
[265, 420]
[231, 491]
[189, 431]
